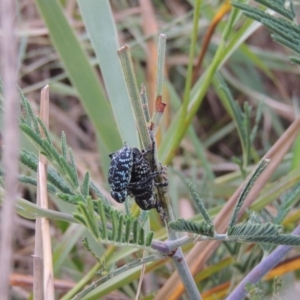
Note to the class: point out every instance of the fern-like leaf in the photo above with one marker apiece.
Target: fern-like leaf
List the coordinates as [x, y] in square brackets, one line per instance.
[120, 229]
[255, 229]
[285, 31]
[199, 204]
[141, 240]
[33, 136]
[44, 129]
[30, 160]
[64, 145]
[85, 184]
[128, 226]
[261, 166]
[202, 228]
[52, 155]
[267, 233]
[87, 212]
[73, 166]
[33, 181]
[115, 226]
[101, 213]
[88, 248]
[281, 239]
[135, 230]
[123, 229]
[67, 170]
[278, 6]
[79, 218]
[73, 199]
[29, 114]
[241, 119]
[149, 239]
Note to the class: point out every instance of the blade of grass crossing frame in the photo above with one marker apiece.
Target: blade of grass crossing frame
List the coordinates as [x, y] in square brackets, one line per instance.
[81, 74]
[99, 21]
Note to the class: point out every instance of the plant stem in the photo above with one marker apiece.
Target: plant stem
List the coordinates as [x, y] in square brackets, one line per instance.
[32, 211]
[131, 83]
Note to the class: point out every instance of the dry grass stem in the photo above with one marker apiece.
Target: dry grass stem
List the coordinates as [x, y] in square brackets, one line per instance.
[42, 182]
[48, 286]
[10, 140]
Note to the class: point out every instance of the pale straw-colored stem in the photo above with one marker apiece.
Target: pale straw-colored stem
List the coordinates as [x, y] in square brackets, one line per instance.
[48, 286]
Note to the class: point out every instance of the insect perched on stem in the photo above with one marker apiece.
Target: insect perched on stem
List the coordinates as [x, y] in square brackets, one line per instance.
[130, 173]
[119, 173]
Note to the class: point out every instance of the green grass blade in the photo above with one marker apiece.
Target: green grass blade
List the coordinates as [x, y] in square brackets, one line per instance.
[80, 72]
[99, 22]
[66, 244]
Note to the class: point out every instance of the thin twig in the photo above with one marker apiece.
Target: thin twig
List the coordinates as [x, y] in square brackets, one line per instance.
[48, 286]
[160, 73]
[38, 262]
[10, 140]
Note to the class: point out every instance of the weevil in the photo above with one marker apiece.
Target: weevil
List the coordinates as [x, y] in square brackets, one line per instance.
[130, 173]
[119, 173]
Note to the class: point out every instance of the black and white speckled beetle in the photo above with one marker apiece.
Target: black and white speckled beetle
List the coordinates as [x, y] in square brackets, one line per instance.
[119, 173]
[131, 174]
[141, 185]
